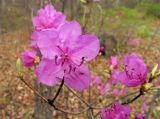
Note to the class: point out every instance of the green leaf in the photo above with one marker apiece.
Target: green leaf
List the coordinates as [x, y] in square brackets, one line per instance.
[83, 1]
[18, 65]
[154, 70]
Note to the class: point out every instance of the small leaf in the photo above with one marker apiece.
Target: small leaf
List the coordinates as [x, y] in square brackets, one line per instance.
[18, 65]
[154, 70]
[83, 1]
[147, 87]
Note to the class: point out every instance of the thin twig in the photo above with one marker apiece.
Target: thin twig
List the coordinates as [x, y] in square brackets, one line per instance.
[46, 100]
[132, 100]
[81, 99]
[151, 106]
[57, 93]
[35, 91]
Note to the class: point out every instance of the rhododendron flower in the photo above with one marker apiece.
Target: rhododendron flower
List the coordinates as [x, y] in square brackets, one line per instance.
[123, 92]
[158, 66]
[116, 111]
[140, 116]
[114, 61]
[105, 88]
[144, 107]
[115, 92]
[120, 13]
[96, 80]
[134, 42]
[135, 71]
[64, 55]
[48, 18]
[114, 76]
[28, 58]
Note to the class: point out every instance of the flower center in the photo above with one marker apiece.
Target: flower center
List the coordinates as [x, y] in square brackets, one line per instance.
[65, 58]
[132, 74]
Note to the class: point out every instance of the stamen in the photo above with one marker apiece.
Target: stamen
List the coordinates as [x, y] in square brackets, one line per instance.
[56, 57]
[62, 64]
[70, 69]
[60, 48]
[74, 69]
[82, 61]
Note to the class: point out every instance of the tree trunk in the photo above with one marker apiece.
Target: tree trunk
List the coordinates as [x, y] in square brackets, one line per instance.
[42, 109]
[3, 4]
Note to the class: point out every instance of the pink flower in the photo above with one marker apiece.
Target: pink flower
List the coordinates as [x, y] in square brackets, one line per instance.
[48, 18]
[140, 116]
[144, 107]
[105, 88]
[123, 91]
[120, 13]
[115, 92]
[129, 33]
[134, 42]
[135, 71]
[114, 61]
[158, 66]
[114, 76]
[96, 80]
[64, 55]
[28, 58]
[116, 111]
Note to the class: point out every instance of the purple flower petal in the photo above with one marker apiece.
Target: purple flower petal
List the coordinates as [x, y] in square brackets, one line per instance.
[87, 46]
[96, 80]
[114, 61]
[47, 43]
[48, 72]
[69, 33]
[48, 18]
[135, 71]
[78, 80]
[116, 111]
[28, 58]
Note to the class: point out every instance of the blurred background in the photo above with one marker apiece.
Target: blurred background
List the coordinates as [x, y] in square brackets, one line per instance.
[123, 26]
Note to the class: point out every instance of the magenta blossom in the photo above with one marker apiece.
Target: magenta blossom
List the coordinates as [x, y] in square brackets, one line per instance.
[114, 76]
[140, 116]
[64, 55]
[105, 88]
[115, 92]
[96, 80]
[144, 107]
[134, 42]
[28, 58]
[116, 111]
[123, 92]
[114, 61]
[48, 18]
[135, 71]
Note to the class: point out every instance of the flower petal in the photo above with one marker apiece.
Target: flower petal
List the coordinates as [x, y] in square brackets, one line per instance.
[48, 73]
[69, 32]
[47, 43]
[78, 80]
[87, 46]
[28, 58]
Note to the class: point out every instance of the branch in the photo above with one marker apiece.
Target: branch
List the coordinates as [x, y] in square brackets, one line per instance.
[81, 99]
[46, 100]
[51, 102]
[133, 99]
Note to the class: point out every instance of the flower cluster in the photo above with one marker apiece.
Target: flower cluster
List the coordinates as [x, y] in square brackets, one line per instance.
[116, 111]
[62, 48]
[62, 52]
[135, 71]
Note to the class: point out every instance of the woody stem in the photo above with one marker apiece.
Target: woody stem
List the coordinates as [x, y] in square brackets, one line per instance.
[57, 93]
